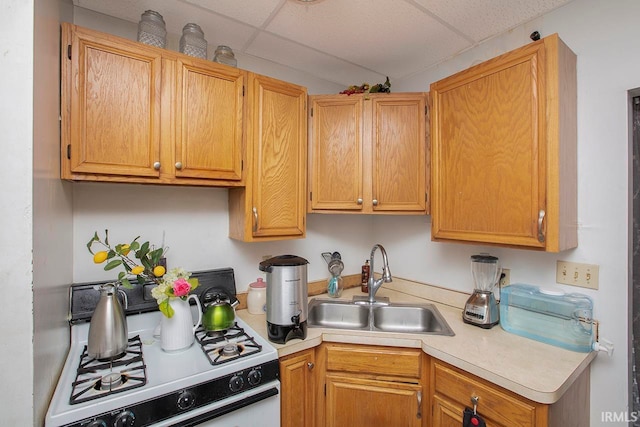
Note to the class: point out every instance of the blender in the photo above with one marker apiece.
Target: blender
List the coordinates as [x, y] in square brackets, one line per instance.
[481, 309]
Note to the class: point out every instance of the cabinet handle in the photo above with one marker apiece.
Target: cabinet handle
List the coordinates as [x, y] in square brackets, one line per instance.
[156, 166]
[419, 396]
[310, 365]
[255, 219]
[540, 229]
[179, 165]
[375, 202]
[359, 201]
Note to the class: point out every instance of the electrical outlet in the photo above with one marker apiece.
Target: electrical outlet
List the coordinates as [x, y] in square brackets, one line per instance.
[506, 279]
[573, 273]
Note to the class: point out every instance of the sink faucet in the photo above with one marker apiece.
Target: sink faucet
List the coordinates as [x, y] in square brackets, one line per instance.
[374, 285]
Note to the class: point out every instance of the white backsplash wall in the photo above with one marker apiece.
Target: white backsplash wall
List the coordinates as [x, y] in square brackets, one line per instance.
[195, 225]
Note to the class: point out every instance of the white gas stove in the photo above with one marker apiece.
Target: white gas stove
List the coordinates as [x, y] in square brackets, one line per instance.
[221, 380]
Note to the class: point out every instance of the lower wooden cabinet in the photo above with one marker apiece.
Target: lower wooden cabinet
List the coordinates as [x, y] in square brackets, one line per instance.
[453, 390]
[371, 386]
[344, 385]
[297, 382]
[354, 401]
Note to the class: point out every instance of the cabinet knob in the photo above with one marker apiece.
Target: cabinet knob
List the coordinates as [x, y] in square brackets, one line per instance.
[156, 166]
[359, 201]
[310, 365]
[375, 202]
[179, 165]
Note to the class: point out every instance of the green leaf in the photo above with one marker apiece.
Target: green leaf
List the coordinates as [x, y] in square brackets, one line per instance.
[146, 264]
[95, 238]
[155, 256]
[134, 246]
[111, 254]
[166, 308]
[141, 279]
[113, 264]
[121, 275]
[106, 237]
[193, 282]
[126, 283]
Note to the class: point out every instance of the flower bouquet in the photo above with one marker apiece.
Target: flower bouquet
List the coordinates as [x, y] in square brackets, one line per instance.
[146, 266]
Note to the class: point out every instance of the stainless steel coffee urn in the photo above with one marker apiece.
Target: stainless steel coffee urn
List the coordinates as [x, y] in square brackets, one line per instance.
[286, 297]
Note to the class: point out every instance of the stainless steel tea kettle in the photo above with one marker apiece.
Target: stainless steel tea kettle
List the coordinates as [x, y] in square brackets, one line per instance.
[108, 328]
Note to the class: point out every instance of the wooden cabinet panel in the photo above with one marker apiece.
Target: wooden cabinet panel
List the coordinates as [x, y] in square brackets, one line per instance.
[336, 170]
[453, 390]
[107, 129]
[209, 121]
[398, 160]
[272, 206]
[297, 378]
[401, 362]
[365, 402]
[504, 150]
[136, 113]
[368, 153]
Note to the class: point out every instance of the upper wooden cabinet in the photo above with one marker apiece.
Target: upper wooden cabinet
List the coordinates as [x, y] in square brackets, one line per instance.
[368, 153]
[136, 113]
[272, 205]
[503, 147]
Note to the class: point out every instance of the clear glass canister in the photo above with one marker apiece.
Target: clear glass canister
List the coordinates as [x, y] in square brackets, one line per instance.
[152, 29]
[224, 55]
[257, 297]
[192, 42]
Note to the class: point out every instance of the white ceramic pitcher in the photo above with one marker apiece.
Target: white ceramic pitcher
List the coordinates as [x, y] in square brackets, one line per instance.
[177, 332]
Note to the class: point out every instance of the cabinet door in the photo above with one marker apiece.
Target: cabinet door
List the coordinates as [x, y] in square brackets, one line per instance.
[503, 150]
[278, 134]
[398, 157]
[111, 106]
[365, 402]
[297, 379]
[209, 112]
[336, 153]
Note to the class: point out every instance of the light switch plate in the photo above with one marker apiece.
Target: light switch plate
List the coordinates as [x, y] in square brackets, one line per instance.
[576, 274]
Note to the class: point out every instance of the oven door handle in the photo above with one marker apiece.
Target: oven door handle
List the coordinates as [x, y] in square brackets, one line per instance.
[223, 410]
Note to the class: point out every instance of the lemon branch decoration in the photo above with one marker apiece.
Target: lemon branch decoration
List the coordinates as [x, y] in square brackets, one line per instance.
[146, 265]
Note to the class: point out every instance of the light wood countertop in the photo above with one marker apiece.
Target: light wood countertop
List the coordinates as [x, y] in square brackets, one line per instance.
[532, 369]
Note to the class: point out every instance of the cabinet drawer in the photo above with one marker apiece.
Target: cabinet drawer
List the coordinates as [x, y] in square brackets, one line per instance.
[401, 362]
[493, 403]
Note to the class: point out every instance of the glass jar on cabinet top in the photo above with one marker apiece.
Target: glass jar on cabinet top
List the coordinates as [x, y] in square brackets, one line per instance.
[152, 29]
[192, 42]
[224, 55]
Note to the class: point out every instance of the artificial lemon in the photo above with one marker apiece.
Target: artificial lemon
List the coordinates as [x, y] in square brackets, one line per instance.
[159, 271]
[137, 269]
[124, 249]
[100, 257]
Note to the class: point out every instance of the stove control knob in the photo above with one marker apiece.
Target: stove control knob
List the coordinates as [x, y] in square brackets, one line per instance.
[97, 423]
[186, 400]
[254, 377]
[236, 383]
[124, 419]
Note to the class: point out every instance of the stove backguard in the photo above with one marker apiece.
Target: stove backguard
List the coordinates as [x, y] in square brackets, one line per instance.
[83, 298]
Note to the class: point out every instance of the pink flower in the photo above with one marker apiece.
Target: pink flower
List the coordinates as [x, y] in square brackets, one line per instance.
[181, 288]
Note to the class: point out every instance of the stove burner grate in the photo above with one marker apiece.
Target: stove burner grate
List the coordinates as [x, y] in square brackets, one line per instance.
[233, 344]
[96, 378]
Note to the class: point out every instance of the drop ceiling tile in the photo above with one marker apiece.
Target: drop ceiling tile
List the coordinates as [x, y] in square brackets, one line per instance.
[251, 12]
[316, 63]
[392, 37]
[480, 19]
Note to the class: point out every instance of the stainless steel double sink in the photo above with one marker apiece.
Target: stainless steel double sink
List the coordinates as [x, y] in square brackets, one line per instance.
[386, 317]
